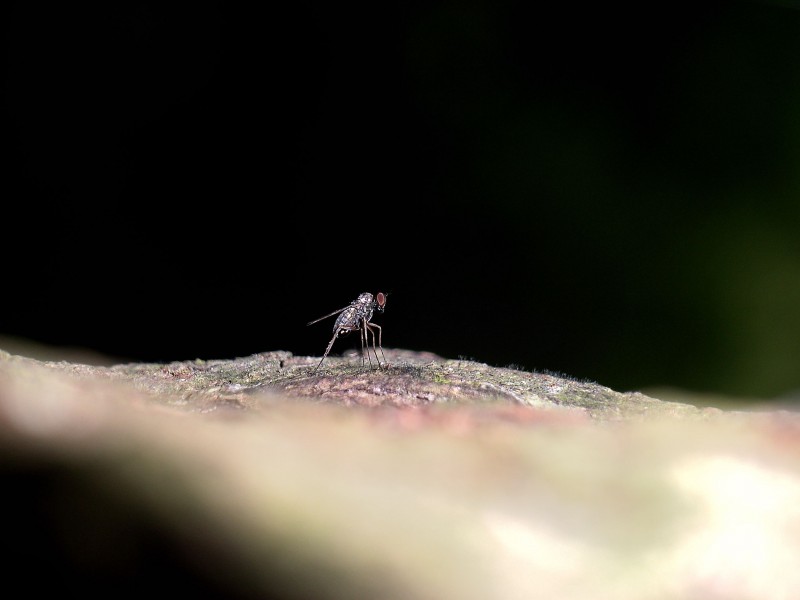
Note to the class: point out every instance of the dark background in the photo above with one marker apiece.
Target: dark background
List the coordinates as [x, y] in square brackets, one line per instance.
[606, 190]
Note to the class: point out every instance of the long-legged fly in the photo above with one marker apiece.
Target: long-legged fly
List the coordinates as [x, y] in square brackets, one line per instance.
[355, 316]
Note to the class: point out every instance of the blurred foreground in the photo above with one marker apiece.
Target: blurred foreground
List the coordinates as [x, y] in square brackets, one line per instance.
[232, 490]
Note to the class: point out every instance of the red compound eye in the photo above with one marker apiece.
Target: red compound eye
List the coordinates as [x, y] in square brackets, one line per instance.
[381, 299]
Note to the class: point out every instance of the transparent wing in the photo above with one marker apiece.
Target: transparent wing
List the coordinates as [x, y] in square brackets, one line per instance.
[336, 312]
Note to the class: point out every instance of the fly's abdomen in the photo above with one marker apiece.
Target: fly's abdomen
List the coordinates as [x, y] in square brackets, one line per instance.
[348, 319]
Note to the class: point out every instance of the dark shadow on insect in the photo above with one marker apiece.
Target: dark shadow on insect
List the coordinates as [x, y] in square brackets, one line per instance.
[356, 316]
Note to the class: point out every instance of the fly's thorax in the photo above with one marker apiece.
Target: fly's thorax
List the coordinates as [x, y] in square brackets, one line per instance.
[364, 306]
[367, 315]
[364, 299]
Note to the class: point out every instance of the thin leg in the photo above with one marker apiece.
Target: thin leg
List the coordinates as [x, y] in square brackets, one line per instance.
[365, 343]
[366, 329]
[328, 349]
[380, 344]
[374, 349]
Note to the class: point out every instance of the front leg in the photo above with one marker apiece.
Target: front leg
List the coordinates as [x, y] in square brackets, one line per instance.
[380, 345]
[364, 343]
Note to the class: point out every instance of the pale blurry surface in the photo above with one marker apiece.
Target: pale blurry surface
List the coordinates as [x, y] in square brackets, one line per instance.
[222, 493]
[29, 348]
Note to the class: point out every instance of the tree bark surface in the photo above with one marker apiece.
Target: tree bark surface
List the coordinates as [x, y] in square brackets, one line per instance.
[261, 477]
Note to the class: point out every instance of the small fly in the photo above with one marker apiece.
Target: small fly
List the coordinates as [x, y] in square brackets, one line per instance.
[357, 315]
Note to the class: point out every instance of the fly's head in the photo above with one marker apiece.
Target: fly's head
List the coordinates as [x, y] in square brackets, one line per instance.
[380, 301]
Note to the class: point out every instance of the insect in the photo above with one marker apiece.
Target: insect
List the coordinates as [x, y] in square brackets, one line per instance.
[357, 315]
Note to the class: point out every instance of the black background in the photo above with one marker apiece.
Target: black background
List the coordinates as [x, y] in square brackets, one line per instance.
[607, 190]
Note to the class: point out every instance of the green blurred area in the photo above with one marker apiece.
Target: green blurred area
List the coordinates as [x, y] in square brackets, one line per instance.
[652, 173]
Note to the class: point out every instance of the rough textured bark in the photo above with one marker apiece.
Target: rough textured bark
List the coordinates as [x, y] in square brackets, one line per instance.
[411, 379]
[429, 478]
